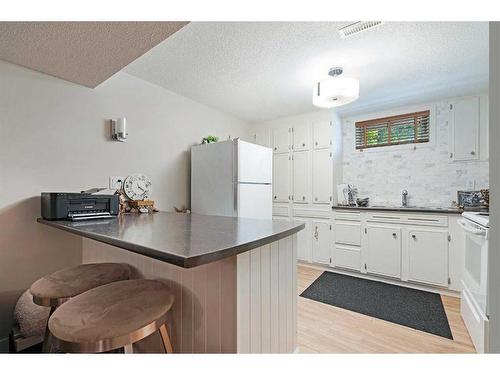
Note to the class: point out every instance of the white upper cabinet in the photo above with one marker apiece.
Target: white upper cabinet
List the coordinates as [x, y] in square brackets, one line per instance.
[301, 177]
[383, 252]
[322, 137]
[281, 178]
[322, 171]
[301, 137]
[263, 137]
[281, 141]
[465, 129]
[428, 256]
[321, 249]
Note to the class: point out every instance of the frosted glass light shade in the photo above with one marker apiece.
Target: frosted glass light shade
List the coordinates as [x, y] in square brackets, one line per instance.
[336, 91]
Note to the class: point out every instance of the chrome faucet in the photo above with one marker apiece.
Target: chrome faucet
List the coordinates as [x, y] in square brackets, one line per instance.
[404, 198]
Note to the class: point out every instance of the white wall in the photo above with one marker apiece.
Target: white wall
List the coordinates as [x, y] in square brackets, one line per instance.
[494, 244]
[426, 172]
[54, 136]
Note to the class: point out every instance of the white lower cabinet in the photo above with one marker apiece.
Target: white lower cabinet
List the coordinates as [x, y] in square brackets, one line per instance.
[322, 241]
[428, 256]
[304, 241]
[346, 256]
[414, 248]
[383, 250]
[348, 233]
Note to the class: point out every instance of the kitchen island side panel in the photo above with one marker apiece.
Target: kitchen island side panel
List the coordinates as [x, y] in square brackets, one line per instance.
[203, 317]
[267, 298]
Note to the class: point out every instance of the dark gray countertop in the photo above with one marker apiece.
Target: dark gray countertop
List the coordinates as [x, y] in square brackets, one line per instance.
[442, 210]
[186, 240]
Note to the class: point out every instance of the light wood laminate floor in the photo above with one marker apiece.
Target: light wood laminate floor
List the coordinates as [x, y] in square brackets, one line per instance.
[324, 328]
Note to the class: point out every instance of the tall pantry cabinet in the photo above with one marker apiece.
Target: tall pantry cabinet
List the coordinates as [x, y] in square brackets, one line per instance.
[302, 182]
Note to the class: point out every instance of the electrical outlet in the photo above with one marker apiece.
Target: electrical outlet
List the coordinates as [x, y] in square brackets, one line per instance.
[115, 182]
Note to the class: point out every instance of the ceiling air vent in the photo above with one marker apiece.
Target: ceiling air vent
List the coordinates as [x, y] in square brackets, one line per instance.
[358, 27]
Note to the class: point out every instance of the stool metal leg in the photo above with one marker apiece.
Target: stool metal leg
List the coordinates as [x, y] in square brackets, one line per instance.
[47, 340]
[166, 339]
[128, 349]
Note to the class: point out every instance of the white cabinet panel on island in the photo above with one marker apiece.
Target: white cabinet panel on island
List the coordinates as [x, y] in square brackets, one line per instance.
[383, 250]
[428, 256]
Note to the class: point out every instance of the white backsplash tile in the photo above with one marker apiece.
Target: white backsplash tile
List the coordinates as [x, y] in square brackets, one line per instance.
[426, 172]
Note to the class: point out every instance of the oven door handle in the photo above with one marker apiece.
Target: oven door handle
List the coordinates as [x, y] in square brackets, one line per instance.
[470, 229]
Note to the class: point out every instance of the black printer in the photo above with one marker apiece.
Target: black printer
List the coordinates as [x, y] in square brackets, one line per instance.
[79, 206]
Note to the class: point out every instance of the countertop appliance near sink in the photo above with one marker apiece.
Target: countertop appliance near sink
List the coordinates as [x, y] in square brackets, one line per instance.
[474, 301]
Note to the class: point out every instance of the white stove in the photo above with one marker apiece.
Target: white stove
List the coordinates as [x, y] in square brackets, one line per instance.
[480, 218]
[474, 302]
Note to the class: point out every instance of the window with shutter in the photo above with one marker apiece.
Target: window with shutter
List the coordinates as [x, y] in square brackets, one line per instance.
[394, 130]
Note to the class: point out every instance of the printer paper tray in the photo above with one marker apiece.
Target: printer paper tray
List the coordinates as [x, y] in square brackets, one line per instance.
[89, 216]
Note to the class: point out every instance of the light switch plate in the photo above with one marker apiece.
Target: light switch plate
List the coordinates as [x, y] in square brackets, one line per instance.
[115, 182]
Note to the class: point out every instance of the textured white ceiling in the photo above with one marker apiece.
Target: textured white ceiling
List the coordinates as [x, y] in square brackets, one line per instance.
[86, 53]
[259, 71]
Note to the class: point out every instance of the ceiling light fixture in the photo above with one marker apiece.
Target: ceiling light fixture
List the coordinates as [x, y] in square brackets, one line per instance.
[357, 27]
[335, 91]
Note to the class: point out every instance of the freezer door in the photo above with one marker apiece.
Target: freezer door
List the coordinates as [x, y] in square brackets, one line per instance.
[255, 201]
[255, 163]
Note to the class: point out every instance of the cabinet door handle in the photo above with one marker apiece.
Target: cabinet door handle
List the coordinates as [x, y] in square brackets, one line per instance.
[413, 236]
[473, 153]
[315, 198]
[275, 148]
[316, 234]
[275, 197]
[394, 235]
[303, 145]
[316, 143]
[303, 197]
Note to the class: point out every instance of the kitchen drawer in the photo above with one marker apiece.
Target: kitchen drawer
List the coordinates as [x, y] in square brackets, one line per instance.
[280, 210]
[433, 220]
[348, 257]
[348, 233]
[312, 213]
[385, 217]
[348, 215]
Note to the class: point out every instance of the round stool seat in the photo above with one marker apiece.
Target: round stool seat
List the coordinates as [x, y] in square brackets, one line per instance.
[56, 288]
[111, 316]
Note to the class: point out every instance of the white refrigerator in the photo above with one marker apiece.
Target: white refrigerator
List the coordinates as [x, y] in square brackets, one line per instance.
[232, 178]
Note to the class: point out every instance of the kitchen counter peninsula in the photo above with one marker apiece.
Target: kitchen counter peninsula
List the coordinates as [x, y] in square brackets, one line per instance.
[234, 279]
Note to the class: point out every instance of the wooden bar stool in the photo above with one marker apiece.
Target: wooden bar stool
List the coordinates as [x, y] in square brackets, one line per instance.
[113, 316]
[55, 289]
